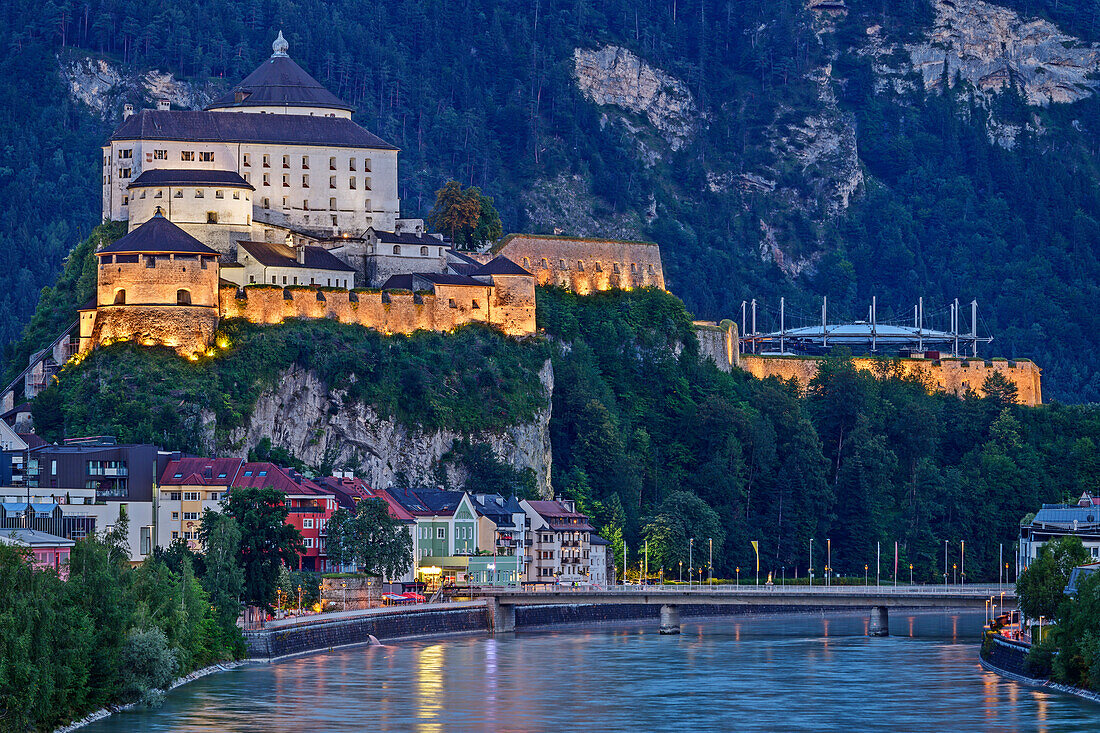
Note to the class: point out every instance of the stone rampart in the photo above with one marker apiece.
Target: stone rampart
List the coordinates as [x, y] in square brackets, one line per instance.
[953, 375]
[391, 311]
[585, 265]
[187, 329]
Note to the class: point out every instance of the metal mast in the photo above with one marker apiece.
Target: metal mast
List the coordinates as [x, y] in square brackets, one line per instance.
[824, 321]
[782, 326]
[754, 325]
[974, 325]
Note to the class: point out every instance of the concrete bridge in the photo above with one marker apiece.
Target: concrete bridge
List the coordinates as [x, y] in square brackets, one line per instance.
[502, 602]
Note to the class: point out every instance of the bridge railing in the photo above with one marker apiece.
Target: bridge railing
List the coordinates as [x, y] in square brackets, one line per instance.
[968, 590]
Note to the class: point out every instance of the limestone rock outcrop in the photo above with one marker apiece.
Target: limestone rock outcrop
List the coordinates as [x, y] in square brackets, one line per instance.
[318, 424]
[614, 76]
[992, 47]
[104, 86]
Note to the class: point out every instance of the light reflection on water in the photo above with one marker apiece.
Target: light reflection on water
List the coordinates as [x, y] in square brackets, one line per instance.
[794, 673]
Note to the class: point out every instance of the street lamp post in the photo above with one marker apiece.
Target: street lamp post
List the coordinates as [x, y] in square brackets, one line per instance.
[962, 559]
[691, 559]
[738, 571]
[681, 578]
[865, 575]
[828, 561]
[811, 569]
[344, 587]
[954, 573]
[910, 573]
[710, 562]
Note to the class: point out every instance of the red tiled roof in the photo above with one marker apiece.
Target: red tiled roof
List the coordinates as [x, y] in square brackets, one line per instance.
[277, 478]
[32, 440]
[396, 510]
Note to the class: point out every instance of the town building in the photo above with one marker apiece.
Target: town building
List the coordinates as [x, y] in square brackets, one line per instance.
[446, 541]
[1055, 521]
[190, 486]
[48, 552]
[602, 565]
[561, 547]
[502, 529]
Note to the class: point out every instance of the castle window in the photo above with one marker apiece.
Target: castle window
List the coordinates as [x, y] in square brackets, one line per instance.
[351, 182]
[124, 173]
[452, 303]
[203, 261]
[423, 251]
[126, 154]
[267, 179]
[295, 281]
[332, 163]
[160, 155]
[219, 194]
[599, 267]
[247, 179]
[265, 202]
[272, 279]
[247, 160]
[305, 206]
[367, 205]
[526, 262]
[237, 196]
[633, 268]
[211, 217]
[206, 157]
[615, 268]
[179, 193]
[330, 282]
[305, 162]
[150, 261]
[311, 281]
[366, 164]
[267, 161]
[286, 180]
[651, 268]
[284, 279]
[580, 265]
[305, 181]
[542, 263]
[397, 249]
[183, 297]
[286, 161]
[106, 260]
[332, 204]
[334, 219]
[475, 305]
[125, 200]
[126, 259]
[561, 264]
[120, 297]
[199, 193]
[351, 164]
[366, 184]
[332, 181]
[187, 155]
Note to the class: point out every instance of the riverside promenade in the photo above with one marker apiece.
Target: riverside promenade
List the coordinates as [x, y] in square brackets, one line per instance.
[501, 610]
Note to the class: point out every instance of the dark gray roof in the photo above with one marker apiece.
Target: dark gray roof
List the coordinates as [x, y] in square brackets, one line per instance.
[187, 177]
[408, 281]
[274, 254]
[595, 539]
[427, 501]
[501, 265]
[155, 236]
[279, 82]
[1064, 516]
[235, 127]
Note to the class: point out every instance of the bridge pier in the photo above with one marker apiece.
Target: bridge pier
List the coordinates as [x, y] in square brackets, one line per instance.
[880, 622]
[502, 617]
[670, 619]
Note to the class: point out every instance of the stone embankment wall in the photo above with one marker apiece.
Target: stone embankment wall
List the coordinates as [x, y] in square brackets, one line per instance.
[512, 309]
[952, 375]
[585, 265]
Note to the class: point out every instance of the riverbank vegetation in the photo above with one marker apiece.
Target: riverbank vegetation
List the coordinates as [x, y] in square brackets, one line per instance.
[110, 634]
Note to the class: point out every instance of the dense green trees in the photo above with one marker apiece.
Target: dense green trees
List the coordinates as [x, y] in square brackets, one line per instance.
[109, 634]
[467, 215]
[1040, 587]
[267, 542]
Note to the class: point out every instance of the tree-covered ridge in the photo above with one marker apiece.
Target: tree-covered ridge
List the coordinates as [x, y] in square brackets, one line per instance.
[859, 459]
[944, 212]
[474, 379]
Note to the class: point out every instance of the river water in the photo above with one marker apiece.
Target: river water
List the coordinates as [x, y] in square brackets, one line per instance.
[783, 673]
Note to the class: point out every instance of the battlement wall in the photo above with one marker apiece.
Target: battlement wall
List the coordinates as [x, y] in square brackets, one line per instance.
[585, 265]
[952, 375]
[718, 342]
[391, 311]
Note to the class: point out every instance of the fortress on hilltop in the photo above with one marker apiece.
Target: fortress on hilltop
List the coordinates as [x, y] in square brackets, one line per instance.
[273, 204]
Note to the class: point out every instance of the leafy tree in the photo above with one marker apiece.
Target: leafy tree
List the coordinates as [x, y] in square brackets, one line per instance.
[224, 574]
[149, 664]
[267, 541]
[370, 538]
[683, 517]
[467, 215]
[1041, 586]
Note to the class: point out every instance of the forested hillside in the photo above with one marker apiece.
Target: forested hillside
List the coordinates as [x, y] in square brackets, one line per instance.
[797, 152]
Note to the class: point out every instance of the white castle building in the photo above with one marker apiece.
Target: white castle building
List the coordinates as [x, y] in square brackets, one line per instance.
[278, 154]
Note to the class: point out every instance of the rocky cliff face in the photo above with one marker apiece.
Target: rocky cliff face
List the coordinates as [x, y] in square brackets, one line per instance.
[614, 76]
[318, 425]
[105, 87]
[992, 47]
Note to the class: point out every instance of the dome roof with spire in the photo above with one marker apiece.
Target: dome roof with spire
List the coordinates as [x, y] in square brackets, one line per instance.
[279, 82]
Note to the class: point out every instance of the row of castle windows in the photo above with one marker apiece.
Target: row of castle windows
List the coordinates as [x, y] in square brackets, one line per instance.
[151, 260]
[305, 162]
[543, 264]
[312, 281]
[199, 194]
[352, 181]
